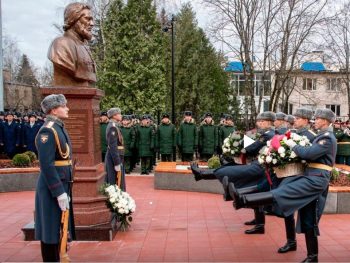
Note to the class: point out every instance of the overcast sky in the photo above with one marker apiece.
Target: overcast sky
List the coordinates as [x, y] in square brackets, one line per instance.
[30, 23]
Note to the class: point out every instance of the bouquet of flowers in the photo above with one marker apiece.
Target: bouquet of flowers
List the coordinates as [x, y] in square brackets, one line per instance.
[233, 144]
[121, 204]
[277, 152]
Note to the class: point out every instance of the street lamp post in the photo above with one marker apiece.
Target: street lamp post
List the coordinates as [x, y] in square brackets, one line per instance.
[171, 27]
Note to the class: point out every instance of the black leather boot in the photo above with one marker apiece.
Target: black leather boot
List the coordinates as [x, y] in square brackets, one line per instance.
[236, 194]
[259, 228]
[311, 246]
[291, 244]
[199, 174]
[225, 185]
[250, 223]
[257, 199]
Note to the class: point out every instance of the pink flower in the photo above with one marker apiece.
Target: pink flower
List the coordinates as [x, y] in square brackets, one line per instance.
[276, 141]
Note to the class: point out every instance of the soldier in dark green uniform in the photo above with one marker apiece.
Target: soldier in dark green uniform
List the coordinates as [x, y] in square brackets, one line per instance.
[129, 137]
[135, 159]
[226, 129]
[53, 190]
[187, 137]
[208, 138]
[166, 138]
[154, 130]
[221, 124]
[103, 127]
[343, 143]
[145, 142]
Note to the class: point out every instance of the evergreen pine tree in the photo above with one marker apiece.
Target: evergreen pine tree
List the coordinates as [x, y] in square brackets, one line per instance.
[26, 73]
[132, 74]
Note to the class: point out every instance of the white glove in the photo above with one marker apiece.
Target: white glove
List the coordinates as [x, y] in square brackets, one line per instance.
[117, 168]
[63, 201]
[243, 150]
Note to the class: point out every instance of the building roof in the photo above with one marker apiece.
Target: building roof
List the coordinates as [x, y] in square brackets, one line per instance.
[313, 66]
[234, 66]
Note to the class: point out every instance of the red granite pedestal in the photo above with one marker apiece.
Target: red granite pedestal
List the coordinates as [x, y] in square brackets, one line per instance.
[90, 212]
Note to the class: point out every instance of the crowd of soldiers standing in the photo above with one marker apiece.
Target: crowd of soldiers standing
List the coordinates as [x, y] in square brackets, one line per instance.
[18, 131]
[144, 140]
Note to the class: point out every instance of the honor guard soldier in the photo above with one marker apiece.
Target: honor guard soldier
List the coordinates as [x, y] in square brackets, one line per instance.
[208, 138]
[145, 142]
[30, 131]
[115, 150]
[11, 139]
[187, 137]
[343, 142]
[290, 121]
[129, 137]
[226, 129]
[53, 190]
[103, 128]
[307, 193]
[166, 138]
[280, 123]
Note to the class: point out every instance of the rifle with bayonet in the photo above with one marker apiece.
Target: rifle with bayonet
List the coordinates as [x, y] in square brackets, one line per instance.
[65, 222]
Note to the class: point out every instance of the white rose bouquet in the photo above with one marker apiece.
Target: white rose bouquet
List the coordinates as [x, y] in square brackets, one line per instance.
[233, 144]
[278, 153]
[121, 204]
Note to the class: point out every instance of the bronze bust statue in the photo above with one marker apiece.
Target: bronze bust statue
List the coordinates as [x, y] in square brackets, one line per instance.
[70, 55]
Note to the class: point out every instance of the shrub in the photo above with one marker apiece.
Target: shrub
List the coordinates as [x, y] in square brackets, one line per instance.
[214, 162]
[21, 160]
[334, 175]
[31, 156]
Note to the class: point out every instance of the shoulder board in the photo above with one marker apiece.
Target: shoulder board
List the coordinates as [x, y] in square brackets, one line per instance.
[113, 124]
[326, 134]
[50, 124]
[312, 132]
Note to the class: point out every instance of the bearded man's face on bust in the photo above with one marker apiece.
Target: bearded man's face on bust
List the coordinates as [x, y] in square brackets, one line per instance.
[84, 25]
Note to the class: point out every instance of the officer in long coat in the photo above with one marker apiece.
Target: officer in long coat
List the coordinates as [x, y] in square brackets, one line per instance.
[305, 193]
[166, 138]
[129, 137]
[115, 150]
[30, 131]
[11, 139]
[53, 190]
[207, 138]
[187, 137]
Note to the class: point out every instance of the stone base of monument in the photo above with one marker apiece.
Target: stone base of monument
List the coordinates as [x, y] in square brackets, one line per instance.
[83, 233]
[178, 176]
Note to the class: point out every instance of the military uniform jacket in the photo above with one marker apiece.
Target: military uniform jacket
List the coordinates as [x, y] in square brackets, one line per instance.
[187, 137]
[129, 137]
[224, 132]
[114, 139]
[11, 137]
[53, 145]
[29, 134]
[295, 192]
[281, 130]
[103, 128]
[208, 138]
[343, 142]
[166, 138]
[145, 141]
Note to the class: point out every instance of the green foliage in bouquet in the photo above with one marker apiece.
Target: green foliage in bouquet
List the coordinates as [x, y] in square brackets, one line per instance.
[334, 175]
[21, 160]
[214, 162]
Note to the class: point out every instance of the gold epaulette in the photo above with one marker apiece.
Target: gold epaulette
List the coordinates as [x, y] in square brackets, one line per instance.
[63, 155]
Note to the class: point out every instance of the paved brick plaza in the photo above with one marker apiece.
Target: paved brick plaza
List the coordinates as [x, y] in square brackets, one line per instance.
[175, 226]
